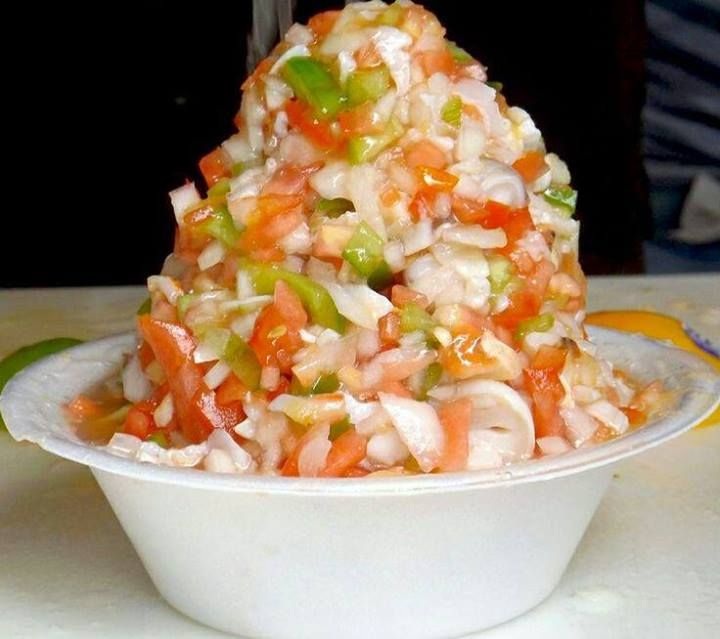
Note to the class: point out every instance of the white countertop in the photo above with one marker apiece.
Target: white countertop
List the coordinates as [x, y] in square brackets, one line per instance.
[649, 565]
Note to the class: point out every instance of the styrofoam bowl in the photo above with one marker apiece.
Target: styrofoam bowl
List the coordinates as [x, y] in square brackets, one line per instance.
[422, 556]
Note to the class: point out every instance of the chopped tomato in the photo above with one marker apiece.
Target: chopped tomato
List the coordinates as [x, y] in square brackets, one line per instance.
[635, 417]
[83, 407]
[389, 328]
[455, 418]
[322, 23]
[360, 120]
[276, 217]
[436, 180]
[215, 166]
[464, 356]
[421, 206]
[425, 153]
[195, 404]
[347, 450]
[145, 354]
[356, 472]
[543, 383]
[522, 305]
[171, 344]
[290, 467]
[289, 181]
[401, 295]
[516, 225]
[276, 336]
[550, 358]
[390, 196]
[300, 116]
[437, 61]
[490, 214]
[230, 391]
[138, 422]
[531, 166]
[367, 56]
[527, 301]
[290, 305]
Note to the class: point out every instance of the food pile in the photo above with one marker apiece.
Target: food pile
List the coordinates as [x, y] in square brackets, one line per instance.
[380, 276]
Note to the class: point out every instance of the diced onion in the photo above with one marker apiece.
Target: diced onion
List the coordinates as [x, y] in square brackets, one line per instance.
[246, 428]
[417, 237]
[475, 235]
[418, 426]
[580, 425]
[269, 377]
[605, 412]
[163, 414]
[297, 51]
[359, 303]
[136, 386]
[182, 199]
[387, 448]
[394, 254]
[212, 254]
[221, 440]
[553, 445]
[217, 375]
[218, 461]
[313, 457]
[165, 285]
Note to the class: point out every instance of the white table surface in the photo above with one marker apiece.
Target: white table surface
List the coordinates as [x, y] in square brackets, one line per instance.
[649, 565]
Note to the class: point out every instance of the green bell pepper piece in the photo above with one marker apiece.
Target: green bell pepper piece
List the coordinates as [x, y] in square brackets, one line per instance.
[221, 226]
[364, 252]
[314, 297]
[220, 188]
[159, 438]
[145, 307]
[367, 84]
[414, 318]
[432, 376]
[452, 111]
[236, 353]
[563, 197]
[367, 147]
[338, 428]
[501, 272]
[334, 207]
[323, 384]
[183, 303]
[498, 86]
[312, 82]
[538, 324]
[459, 55]
[16, 361]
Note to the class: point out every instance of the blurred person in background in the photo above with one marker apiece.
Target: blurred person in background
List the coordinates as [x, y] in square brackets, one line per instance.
[682, 134]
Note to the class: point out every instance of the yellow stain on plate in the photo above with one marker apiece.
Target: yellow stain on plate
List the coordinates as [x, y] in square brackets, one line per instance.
[660, 327]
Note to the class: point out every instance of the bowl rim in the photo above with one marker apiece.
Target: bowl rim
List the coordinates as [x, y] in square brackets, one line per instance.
[696, 403]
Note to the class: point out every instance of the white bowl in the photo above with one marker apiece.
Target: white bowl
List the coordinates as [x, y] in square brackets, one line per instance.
[421, 557]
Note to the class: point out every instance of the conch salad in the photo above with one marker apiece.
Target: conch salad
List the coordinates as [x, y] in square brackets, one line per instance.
[379, 276]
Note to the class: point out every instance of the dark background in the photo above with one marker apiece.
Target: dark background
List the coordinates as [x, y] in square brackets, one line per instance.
[120, 100]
